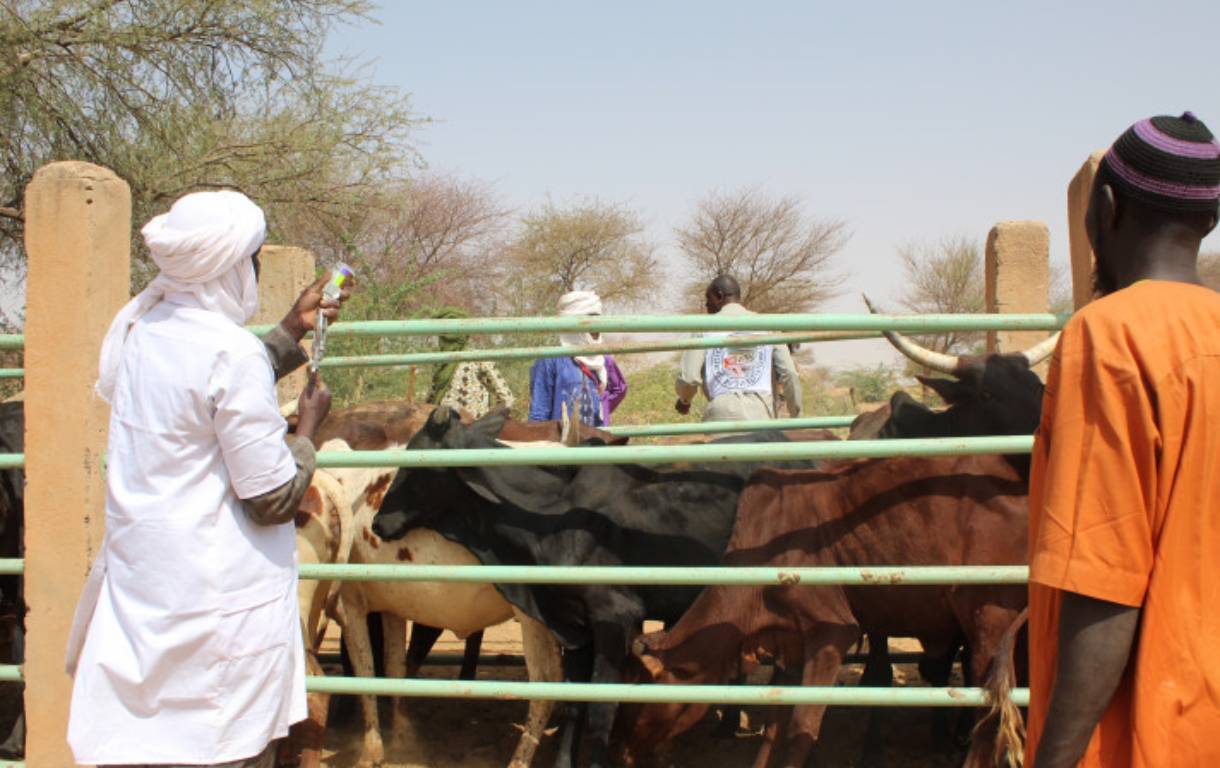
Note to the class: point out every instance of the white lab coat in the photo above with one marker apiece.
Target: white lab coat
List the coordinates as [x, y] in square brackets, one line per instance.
[186, 645]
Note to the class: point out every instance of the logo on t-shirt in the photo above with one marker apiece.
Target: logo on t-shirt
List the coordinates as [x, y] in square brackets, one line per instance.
[739, 369]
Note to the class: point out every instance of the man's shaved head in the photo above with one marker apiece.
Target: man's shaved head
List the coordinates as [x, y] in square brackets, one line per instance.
[723, 290]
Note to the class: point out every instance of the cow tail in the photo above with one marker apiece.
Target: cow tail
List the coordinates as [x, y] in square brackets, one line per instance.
[1008, 744]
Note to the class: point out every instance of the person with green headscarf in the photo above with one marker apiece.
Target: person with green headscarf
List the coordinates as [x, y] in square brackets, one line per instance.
[474, 387]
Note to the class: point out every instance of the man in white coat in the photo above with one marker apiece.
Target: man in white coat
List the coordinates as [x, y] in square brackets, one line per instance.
[186, 649]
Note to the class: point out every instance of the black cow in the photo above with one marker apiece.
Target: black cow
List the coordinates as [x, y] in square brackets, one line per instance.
[996, 394]
[12, 519]
[591, 515]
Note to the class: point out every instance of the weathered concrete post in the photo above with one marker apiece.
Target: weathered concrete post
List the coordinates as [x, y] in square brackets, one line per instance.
[1082, 252]
[78, 239]
[284, 271]
[1017, 278]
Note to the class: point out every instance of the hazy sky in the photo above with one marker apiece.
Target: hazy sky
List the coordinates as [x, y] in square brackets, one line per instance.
[910, 121]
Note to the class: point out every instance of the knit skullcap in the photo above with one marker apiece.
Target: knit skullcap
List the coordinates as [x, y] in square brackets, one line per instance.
[1168, 163]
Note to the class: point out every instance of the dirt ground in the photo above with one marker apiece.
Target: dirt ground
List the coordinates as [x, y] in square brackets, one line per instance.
[483, 734]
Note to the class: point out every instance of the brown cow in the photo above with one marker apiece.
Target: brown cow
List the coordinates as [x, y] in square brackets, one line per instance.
[966, 510]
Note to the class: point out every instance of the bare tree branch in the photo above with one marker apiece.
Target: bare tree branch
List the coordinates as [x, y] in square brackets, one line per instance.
[783, 261]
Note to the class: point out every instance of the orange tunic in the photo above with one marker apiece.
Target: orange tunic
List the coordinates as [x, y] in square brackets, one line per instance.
[1125, 507]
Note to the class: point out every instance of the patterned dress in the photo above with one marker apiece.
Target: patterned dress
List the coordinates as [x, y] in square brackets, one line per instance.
[476, 387]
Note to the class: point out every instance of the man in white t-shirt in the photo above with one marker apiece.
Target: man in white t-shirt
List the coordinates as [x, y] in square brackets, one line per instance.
[186, 647]
[737, 381]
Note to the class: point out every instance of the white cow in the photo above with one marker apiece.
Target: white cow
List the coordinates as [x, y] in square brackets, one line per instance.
[460, 607]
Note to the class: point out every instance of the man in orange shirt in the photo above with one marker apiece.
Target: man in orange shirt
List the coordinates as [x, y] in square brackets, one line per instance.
[1125, 487]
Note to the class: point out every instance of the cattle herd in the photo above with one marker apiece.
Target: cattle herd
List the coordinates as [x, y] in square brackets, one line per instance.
[966, 510]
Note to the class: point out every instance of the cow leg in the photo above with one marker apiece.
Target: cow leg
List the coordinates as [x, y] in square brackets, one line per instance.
[14, 745]
[394, 637]
[612, 636]
[777, 719]
[470, 659]
[878, 673]
[936, 667]
[360, 650]
[824, 649]
[990, 622]
[423, 638]
[543, 663]
[303, 747]
[577, 668]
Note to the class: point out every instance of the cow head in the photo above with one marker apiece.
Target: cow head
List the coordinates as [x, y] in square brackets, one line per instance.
[419, 494]
[642, 728]
[997, 394]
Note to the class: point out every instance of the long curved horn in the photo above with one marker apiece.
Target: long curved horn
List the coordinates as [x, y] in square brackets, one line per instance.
[937, 361]
[1042, 350]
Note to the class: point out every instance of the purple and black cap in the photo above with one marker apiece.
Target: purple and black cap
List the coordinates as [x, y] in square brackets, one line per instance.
[1168, 163]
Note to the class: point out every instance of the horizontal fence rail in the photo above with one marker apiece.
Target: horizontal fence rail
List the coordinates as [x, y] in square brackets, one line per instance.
[12, 341]
[693, 694]
[722, 427]
[664, 454]
[11, 673]
[12, 460]
[698, 324]
[671, 575]
[668, 575]
[12, 373]
[616, 348]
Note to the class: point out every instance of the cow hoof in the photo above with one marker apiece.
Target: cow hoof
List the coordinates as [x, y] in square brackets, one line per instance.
[373, 755]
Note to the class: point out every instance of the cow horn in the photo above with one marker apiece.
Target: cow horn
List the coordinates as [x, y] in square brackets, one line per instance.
[937, 361]
[1042, 350]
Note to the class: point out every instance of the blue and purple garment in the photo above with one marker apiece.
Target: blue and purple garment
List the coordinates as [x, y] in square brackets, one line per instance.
[556, 383]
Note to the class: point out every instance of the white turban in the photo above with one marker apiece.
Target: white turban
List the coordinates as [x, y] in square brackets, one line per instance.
[203, 247]
[580, 303]
[583, 303]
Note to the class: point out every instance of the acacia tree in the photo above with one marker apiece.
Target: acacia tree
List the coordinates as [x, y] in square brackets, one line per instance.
[179, 95]
[591, 245]
[782, 258]
[944, 277]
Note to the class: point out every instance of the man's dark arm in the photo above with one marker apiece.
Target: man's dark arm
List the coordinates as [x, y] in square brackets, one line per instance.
[1095, 639]
[285, 352]
[280, 505]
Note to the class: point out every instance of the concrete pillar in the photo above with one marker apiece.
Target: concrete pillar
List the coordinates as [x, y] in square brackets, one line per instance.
[1017, 278]
[1082, 253]
[284, 271]
[77, 238]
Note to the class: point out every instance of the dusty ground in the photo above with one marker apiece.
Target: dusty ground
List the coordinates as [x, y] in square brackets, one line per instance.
[483, 734]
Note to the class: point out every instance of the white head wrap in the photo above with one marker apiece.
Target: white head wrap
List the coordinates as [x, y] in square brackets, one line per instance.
[583, 303]
[203, 247]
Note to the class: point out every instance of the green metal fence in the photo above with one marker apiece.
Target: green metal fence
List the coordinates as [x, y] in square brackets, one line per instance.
[663, 454]
[763, 328]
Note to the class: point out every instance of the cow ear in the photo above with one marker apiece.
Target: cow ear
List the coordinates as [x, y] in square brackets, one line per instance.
[952, 392]
[490, 425]
[531, 489]
[439, 422]
[477, 482]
